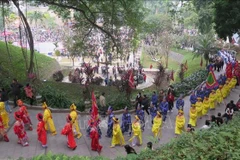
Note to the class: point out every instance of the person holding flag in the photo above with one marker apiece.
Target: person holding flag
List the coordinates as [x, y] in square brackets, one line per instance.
[94, 135]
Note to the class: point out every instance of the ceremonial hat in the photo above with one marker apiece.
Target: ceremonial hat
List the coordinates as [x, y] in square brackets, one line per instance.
[180, 111]
[193, 105]
[220, 86]
[73, 107]
[199, 98]
[137, 118]
[44, 105]
[40, 116]
[158, 113]
[19, 102]
[115, 119]
[110, 108]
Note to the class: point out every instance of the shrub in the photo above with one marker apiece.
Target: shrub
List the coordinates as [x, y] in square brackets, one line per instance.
[190, 82]
[118, 101]
[58, 76]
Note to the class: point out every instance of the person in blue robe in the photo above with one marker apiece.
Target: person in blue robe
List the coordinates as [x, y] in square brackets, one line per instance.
[126, 121]
[163, 107]
[140, 114]
[180, 103]
[110, 122]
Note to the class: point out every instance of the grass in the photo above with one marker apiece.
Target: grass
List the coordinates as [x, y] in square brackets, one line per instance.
[193, 64]
[16, 68]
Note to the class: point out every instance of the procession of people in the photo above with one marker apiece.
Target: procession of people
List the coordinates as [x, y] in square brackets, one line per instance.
[158, 108]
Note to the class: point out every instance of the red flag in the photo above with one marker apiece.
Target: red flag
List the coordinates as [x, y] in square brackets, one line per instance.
[229, 70]
[201, 62]
[131, 80]
[94, 112]
[211, 80]
[186, 66]
[172, 75]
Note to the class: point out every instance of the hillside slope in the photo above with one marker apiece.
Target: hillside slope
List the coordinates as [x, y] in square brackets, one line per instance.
[46, 65]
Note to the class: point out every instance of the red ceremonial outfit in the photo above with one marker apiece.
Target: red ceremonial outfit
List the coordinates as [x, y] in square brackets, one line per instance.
[19, 130]
[2, 131]
[95, 139]
[24, 115]
[41, 131]
[68, 131]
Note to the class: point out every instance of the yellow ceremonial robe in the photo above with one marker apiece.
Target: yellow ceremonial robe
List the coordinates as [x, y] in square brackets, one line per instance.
[117, 135]
[137, 132]
[219, 95]
[232, 83]
[4, 115]
[156, 128]
[179, 124]
[47, 118]
[199, 108]
[212, 99]
[193, 117]
[206, 106]
[74, 116]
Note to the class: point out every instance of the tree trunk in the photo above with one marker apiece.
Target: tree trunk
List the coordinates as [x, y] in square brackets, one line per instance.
[73, 61]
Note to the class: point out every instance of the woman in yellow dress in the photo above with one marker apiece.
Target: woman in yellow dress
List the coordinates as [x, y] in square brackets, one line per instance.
[137, 132]
[228, 89]
[212, 99]
[117, 138]
[233, 82]
[47, 118]
[4, 115]
[206, 105]
[219, 94]
[199, 107]
[157, 124]
[193, 115]
[74, 116]
[180, 123]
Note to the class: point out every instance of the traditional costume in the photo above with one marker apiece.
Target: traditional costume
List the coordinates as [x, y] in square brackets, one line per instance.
[193, 98]
[3, 132]
[212, 99]
[19, 130]
[68, 131]
[199, 107]
[110, 122]
[4, 115]
[180, 123]
[193, 115]
[157, 124]
[94, 135]
[233, 82]
[140, 114]
[180, 103]
[94, 123]
[153, 111]
[117, 138]
[24, 115]
[137, 132]
[219, 94]
[41, 131]
[74, 121]
[47, 118]
[126, 121]
[206, 106]
[164, 109]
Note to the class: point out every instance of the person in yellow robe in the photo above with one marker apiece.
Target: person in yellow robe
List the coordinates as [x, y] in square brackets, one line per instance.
[157, 124]
[117, 138]
[219, 94]
[206, 105]
[137, 132]
[199, 107]
[227, 87]
[4, 115]
[212, 99]
[74, 121]
[224, 89]
[180, 123]
[47, 118]
[193, 115]
[233, 82]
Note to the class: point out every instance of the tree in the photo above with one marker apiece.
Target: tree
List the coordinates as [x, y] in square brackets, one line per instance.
[226, 17]
[35, 17]
[205, 46]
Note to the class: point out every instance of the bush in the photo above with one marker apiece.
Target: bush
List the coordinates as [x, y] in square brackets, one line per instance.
[58, 76]
[190, 82]
[118, 101]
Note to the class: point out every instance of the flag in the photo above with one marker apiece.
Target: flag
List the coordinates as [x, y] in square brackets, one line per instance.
[211, 80]
[201, 62]
[94, 112]
[229, 70]
[186, 66]
[131, 80]
[172, 75]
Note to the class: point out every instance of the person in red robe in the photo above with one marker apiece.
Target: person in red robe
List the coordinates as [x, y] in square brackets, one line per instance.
[95, 138]
[24, 115]
[3, 132]
[68, 131]
[19, 130]
[41, 131]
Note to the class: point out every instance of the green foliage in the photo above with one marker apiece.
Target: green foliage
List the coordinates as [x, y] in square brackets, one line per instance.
[190, 82]
[57, 53]
[226, 17]
[118, 101]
